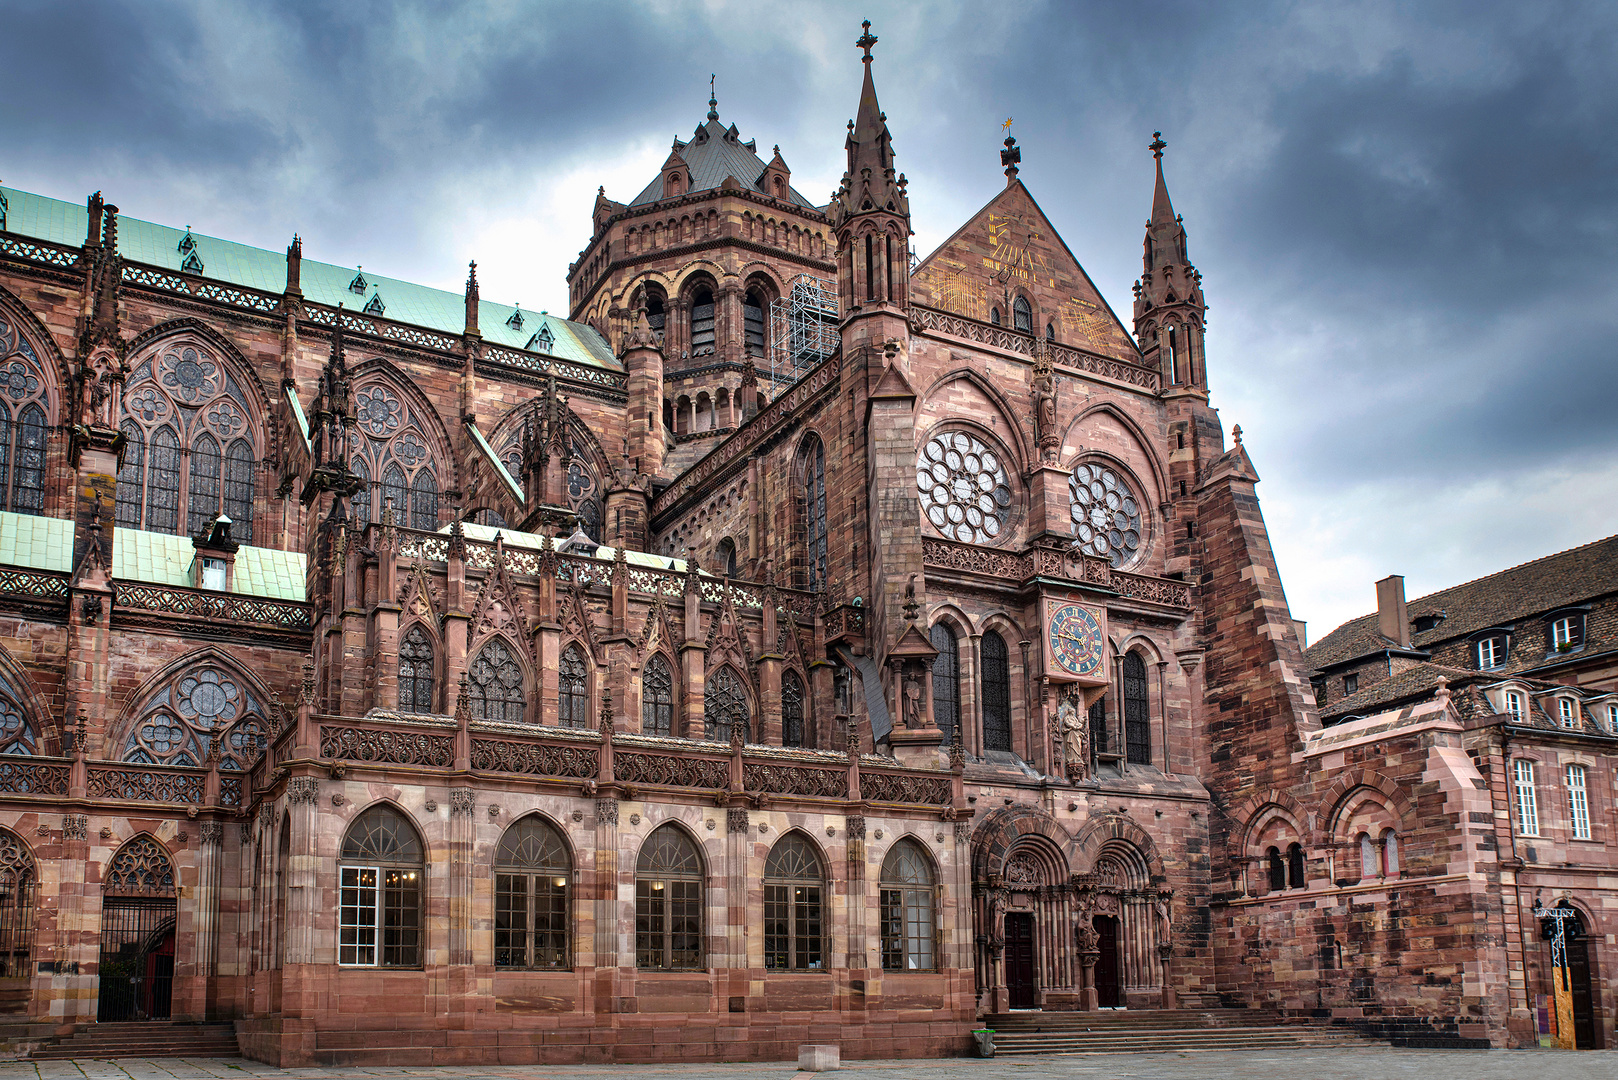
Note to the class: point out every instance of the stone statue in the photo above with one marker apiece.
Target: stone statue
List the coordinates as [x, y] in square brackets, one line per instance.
[1045, 433]
[914, 707]
[1075, 731]
[1085, 935]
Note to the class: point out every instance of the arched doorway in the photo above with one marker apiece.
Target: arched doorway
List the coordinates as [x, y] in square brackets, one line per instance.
[1109, 989]
[136, 970]
[1021, 986]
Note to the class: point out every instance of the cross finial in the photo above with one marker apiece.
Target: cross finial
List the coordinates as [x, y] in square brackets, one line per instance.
[713, 99]
[866, 40]
[1236, 433]
[1157, 145]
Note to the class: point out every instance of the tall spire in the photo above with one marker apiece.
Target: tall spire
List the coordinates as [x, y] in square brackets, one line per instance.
[1162, 208]
[1169, 307]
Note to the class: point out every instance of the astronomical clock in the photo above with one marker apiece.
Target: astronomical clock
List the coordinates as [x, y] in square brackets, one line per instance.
[1075, 643]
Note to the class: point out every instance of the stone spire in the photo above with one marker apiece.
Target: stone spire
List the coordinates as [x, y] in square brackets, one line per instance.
[870, 211]
[472, 300]
[1169, 307]
[331, 423]
[294, 267]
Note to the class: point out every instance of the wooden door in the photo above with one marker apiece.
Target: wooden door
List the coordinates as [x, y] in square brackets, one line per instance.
[1108, 982]
[1020, 960]
[1584, 1024]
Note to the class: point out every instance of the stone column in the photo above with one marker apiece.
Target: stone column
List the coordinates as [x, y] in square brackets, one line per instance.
[205, 916]
[610, 979]
[302, 984]
[73, 986]
[461, 979]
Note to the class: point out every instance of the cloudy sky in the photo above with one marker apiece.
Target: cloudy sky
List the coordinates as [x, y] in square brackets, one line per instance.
[1406, 216]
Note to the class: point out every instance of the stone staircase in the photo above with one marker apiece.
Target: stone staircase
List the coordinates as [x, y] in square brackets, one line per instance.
[1155, 1031]
[149, 1039]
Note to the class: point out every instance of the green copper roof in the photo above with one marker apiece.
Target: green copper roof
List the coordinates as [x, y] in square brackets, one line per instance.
[322, 283]
[494, 459]
[42, 543]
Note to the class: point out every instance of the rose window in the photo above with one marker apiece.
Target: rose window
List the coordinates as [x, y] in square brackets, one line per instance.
[379, 411]
[18, 381]
[963, 488]
[1106, 514]
[208, 699]
[146, 403]
[191, 374]
[225, 418]
[163, 735]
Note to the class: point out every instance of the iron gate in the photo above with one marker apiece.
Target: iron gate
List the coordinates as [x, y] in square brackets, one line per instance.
[137, 958]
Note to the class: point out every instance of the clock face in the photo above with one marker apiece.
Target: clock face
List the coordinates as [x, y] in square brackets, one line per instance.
[1076, 640]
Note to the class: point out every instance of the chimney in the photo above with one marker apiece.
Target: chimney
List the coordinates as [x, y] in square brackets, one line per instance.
[1392, 617]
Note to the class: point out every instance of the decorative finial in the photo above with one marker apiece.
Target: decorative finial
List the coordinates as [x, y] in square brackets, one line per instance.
[1157, 145]
[1011, 155]
[713, 100]
[1006, 127]
[1236, 433]
[866, 40]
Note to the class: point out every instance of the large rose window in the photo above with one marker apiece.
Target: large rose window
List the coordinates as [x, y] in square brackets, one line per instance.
[963, 488]
[1106, 514]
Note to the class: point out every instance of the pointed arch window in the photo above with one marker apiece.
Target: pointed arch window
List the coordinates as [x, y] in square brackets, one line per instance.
[791, 709]
[725, 707]
[1098, 726]
[191, 424]
[573, 690]
[1295, 867]
[416, 671]
[18, 884]
[946, 681]
[668, 902]
[753, 322]
[532, 872]
[908, 912]
[379, 895]
[1137, 711]
[702, 322]
[142, 867]
[725, 558]
[794, 880]
[1277, 870]
[657, 698]
[996, 693]
[1022, 316]
[812, 482]
[23, 423]
[17, 734]
[494, 685]
[389, 449]
[181, 719]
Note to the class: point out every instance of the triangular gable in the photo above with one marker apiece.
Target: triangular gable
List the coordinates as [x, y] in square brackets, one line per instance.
[417, 598]
[576, 621]
[499, 607]
[727, 642]
[1011, 243]
[658, 625]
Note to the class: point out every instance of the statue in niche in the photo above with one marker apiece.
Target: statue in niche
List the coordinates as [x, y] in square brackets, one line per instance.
[1074, 728]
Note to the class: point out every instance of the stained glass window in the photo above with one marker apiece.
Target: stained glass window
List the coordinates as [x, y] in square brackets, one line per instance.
[946, 681]
[17, 734]
[204, 486]
[791, 709]
[793, 924]
[963, 488]
[239, 482]
[360, 502]
[424, 501]
[724, 705]
[531, 876]
[573, 691]
[1106, 513]
[23, 423]
[1137, 716]
[656, 698]
[996, 693]
[907, 909]
[389, 450]
[812, 473]
[182, 717]
[495, 685]
[1022, 316]
[416, 672]
[668, 902]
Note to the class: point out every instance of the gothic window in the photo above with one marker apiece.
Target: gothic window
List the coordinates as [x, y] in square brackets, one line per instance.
[1277, 869]
[793, 926]
[725, 558]
[141, 868]
[379, 892]
[416, 671]
[946, 681]
[1137, 717]
[994, 315]
[542, 341]
[907, 913]
[1022, 316]
[996, 693]
[18, 884]
[753, 323]
[189, 419]
[17, 735]
[389, 450]
[573, 691]
[494, 685]
[183, 717]
[1171, 363]
[22, 424]
[963, 488]
[531, 876]
[1050, 331]
[812, 476]
[702, 323]
[656, 698]
[791, 709]
[668, 902]
[582, 495]
[1098, 726]
[655, 313]
[1106, 513]
[724, 706]
[1295, 867]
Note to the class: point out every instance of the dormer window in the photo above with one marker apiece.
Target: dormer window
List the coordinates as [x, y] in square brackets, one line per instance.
[1351, 684]
[541, 341]
[1490, 652]
[1567, 713]
[1427, 620]
[1514, 704]
[213, 574]
[359, 285]
[673, 184]
[376, 306]
[1612, 719]
[515, 322]
[187, 242]
[1565, 632]
[192, 263]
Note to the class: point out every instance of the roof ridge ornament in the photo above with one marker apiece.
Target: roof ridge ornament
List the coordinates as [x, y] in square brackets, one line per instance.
[713, 100]
[1156, 145]
[866, 40]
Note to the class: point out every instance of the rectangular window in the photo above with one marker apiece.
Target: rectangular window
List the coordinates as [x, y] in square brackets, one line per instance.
[1566, 713]
[651, 914]
[368, 915]
[356, 916]
[1514, 703]
[1351, 684]
[1527, 806]
[1562, 633]
[1490, 653]
[530, 921]
[1612, 719]
[1578, 804]
[213, 574]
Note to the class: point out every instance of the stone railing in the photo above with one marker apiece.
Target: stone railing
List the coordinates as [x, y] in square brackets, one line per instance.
[34, 775]
[33, 584]
[230, 789]
[999, 337]
[38, 251]
[845, 620]
[147, 783]
[671, 770]
[783, 779]
[546, 364]
[386, 746]
[201, 288]
[735, 449]
[214, 606]
[388, 330]
[534, 757]
[1060, 564]
[880, 785]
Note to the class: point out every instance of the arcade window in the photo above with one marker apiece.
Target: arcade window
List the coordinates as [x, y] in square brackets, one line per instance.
[379, 892]
[668, 902]
[907, 897]
[531, 873]
[793, 922]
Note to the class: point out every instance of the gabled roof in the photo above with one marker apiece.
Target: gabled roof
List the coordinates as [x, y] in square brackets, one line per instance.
[1523, 591]
[322, 283]
[715, 152]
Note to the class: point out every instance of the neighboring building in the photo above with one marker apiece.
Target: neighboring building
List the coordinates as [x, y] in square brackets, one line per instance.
[409, 677]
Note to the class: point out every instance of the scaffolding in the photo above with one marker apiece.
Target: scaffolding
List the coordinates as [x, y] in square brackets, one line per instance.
[803, 328]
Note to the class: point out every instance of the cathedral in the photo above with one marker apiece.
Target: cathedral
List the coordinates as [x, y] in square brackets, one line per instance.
[793, 644]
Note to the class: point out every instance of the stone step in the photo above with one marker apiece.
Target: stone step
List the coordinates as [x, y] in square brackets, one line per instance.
[1170, 1040]
[151, 1039]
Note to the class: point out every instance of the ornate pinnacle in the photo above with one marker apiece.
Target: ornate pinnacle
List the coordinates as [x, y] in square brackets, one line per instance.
[463, 701]
[866, 40]
[1157, 144]
[1236, 433]
[911, 608]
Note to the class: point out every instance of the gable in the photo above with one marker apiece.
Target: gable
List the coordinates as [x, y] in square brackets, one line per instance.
[1011, 245]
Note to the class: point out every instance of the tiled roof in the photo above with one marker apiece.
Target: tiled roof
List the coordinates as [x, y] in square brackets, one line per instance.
[714, 153]
[322, 283]
[1420, 681]
[1415, 681]
[43, 543]
[1532, 588]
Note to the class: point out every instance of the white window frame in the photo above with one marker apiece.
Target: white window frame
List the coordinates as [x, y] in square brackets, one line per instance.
[1495, 659]
[1514, 703]
[213, 574]
[1562, 632]
[1612, 719]
[353, 953]
[1566, 714]
[1527, 803]
[1578, 802]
